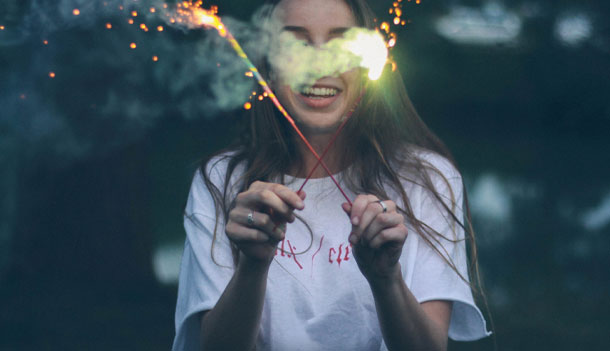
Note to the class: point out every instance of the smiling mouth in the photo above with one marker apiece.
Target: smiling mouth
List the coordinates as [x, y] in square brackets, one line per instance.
[316, 92]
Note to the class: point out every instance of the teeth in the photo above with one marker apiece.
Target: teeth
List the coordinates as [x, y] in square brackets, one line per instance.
[319, 91]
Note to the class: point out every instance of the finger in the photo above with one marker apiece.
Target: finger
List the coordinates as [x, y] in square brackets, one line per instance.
[380, 222]
[259, 220]
[268, 201]
[374, 208]
[288, 196]
[395, 235]
[239, 233]
[347, 208]
[359, 206]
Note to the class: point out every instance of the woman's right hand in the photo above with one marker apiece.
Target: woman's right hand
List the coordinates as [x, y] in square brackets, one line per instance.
[270, 206]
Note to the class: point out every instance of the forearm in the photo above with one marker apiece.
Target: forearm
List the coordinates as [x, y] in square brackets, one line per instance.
[233, 323]
[404, 324]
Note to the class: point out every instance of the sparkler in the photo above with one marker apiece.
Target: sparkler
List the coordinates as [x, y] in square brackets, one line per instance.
[208, 18]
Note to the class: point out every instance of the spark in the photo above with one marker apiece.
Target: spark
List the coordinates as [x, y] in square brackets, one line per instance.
[2, 27]
[249, 74]
[153, 10]
[108, 25]
[133, 45]
[160, 29]
[134, 13]
[76, 12]
[155, 58]
[130, 21]
[45, 42]
[247, 105]
[51, 74]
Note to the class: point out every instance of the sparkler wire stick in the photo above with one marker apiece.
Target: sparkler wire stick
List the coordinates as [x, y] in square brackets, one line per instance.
[332, 141]
[224, 32]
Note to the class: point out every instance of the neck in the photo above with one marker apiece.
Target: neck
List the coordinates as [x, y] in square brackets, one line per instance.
[319, 142]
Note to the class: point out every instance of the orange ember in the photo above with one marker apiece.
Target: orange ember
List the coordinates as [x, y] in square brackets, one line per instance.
[76, 12]
[134, 13]
[1, 27]
[155, 58]
[109, 25]
[153, 10]
[247, 105]
[133, 45]
[249, 74]
[192, 13]
[45, 42]
[160, 28]
[130, 21]
[52, 74]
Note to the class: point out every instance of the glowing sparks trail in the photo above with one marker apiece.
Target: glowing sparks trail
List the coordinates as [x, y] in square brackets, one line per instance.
[194, 15]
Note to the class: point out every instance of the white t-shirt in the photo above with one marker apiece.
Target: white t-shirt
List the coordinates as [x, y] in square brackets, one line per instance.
[316, 298]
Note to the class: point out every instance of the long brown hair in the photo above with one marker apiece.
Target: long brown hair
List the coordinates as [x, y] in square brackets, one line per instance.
[385, 134]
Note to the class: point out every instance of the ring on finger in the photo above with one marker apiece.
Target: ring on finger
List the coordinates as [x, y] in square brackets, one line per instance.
[251, 218]
[383, 206]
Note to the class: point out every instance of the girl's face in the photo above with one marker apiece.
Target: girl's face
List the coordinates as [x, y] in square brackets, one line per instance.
[318, 109]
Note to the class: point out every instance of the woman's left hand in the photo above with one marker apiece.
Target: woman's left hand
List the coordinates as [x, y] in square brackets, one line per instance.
[377, 237]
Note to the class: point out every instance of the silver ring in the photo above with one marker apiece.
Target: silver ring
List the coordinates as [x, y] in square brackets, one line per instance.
[383, 206]
[251, 218]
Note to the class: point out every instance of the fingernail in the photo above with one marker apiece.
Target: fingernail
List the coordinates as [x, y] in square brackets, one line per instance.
[355, 221]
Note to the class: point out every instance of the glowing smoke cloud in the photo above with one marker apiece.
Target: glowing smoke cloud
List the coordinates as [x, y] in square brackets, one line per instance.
[302, 65]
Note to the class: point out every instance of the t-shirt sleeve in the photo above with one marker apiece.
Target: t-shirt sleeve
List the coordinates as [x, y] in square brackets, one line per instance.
[206, 266]
[433, 278]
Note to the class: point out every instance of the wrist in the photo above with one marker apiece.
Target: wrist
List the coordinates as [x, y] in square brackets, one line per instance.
[251, 266]
[386, 281]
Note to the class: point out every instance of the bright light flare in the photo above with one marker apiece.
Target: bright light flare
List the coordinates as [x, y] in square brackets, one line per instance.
[371, 47]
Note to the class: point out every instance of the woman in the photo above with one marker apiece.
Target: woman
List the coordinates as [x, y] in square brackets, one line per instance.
[388, 271]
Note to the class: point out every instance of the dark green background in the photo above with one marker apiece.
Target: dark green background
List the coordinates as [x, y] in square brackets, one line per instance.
[91, 188]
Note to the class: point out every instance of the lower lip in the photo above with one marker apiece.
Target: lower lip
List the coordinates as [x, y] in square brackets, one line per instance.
[318, 102]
